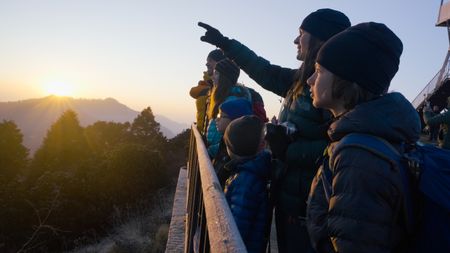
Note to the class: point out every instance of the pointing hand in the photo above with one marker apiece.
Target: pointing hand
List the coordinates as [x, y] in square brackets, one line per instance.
[213, 36]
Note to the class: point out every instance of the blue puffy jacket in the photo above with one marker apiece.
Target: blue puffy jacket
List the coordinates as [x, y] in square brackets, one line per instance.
[247, 194]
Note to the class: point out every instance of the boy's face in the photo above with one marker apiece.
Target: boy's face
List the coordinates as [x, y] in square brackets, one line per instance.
[222, 121]
[321, 83]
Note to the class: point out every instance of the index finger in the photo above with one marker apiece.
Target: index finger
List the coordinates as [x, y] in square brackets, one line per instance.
[206, 26]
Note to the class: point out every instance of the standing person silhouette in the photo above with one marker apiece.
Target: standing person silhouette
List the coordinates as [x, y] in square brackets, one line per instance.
[300, 138]
[201, 92]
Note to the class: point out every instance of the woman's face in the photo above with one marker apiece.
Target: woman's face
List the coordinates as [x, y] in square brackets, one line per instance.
[321, 83]
[210, 65]
[222, 121]
[302, 42]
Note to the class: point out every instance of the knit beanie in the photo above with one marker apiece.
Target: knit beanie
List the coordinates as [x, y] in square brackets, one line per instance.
[216, 55]
[367, 54]
[243, 135]
[229, 69]
[324, 23]
[236, 108]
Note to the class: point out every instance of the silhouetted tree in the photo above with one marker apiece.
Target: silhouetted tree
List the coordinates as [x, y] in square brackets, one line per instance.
[64, 148]
[13, 155]
[133, 171]
[146, 131]
[103, 136]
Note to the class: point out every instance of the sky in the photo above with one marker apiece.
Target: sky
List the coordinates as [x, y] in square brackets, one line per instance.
[148, 53]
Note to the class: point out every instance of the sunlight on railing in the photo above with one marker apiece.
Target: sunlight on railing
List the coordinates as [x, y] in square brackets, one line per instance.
[210, 226]
[432, 86]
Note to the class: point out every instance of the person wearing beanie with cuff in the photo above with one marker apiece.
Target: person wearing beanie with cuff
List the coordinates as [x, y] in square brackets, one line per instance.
[228, 111]
[201, 92]
[363, 211]
[225, 88]
[295, 158]
[246, 187]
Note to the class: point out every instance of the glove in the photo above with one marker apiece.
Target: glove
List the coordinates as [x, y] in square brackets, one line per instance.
[278, 140]
[214, 37]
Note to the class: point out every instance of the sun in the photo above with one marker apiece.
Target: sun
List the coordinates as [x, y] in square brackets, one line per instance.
[59, 89]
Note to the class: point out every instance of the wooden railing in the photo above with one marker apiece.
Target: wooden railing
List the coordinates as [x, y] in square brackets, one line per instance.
[210, 226]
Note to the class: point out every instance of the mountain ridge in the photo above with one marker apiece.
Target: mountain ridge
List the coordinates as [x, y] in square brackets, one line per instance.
[35, 116]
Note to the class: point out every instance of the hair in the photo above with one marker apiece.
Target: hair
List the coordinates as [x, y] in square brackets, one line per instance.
[350, 92]
[307, 68]
[216, 55]
[219, 93]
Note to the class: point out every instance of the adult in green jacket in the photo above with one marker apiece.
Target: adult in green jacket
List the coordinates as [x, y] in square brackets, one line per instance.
[300, 138]
[442, 119]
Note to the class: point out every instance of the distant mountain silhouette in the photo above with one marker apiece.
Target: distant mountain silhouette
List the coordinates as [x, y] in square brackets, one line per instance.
[35, 116]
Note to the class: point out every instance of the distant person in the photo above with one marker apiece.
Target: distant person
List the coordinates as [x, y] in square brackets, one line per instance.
[434, 130]
[201, 91]
[443, 119]
[363, 209]
[225, 88]
[246, 187]
[300, 138]
[274, 120]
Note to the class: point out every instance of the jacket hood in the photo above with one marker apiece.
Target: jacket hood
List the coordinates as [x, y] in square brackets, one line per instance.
[391, 117]
[258, 165]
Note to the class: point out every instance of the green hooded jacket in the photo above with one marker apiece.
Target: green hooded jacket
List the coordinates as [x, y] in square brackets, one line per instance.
[310, 122]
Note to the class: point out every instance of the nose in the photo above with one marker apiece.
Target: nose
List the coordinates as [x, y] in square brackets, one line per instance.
[296, 40]
[312, 79]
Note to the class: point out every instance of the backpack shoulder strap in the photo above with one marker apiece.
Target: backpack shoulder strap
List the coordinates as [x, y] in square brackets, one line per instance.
[383, 149]
[371, 143]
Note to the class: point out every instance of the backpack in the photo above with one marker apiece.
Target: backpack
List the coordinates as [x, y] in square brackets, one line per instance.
[258, 105]
[425, 172]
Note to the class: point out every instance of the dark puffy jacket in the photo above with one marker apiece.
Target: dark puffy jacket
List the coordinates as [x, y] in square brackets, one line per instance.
[246, 193]
[310, 122]
[365, 212]
[432, 119]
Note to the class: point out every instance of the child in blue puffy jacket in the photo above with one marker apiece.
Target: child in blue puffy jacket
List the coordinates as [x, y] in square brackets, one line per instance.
[246, 189]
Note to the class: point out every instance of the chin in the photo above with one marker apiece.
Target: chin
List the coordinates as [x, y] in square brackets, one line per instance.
[316, 103]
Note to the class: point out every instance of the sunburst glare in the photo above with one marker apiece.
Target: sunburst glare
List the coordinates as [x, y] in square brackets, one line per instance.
[59, 89]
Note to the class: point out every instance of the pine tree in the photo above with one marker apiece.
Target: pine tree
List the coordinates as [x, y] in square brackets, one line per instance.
[64, 148]
[146, 131]
[103, 136]
[13, 155]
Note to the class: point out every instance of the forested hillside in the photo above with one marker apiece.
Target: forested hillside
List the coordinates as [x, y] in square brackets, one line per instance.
[80, 179]
[34, 116]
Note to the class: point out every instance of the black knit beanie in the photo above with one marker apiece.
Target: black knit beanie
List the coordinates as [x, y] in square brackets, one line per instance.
[367, 54]
[243, 135]
[229, 69]
[324, 23]
[216, 55]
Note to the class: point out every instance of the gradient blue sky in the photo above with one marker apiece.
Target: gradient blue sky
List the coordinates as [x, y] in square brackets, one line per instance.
[148, 53]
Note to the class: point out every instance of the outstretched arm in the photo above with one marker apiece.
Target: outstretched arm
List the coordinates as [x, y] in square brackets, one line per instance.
[271, 77]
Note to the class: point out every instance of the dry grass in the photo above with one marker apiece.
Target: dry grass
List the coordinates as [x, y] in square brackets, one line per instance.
[142, 228]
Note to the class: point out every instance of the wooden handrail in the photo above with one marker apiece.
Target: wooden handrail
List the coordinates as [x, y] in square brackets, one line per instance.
[207, 204]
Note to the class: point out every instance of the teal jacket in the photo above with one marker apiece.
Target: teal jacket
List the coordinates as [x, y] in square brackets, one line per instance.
[432, 119]
[310, 122]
